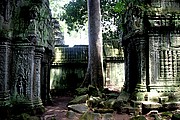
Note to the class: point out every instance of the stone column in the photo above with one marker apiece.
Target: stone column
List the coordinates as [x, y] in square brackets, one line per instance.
[23, 73]
[127, 58]
[37, 77]
[142, 56]
[5, 52]
[45, 78]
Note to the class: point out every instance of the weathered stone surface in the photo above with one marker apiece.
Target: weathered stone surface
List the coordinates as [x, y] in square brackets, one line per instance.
[123, 96]
[79, 99]
[94, 101]
[70, 114]
[103, 110]
[79, 108]
[163, 99]
[108, 116]
[89, 115]
[150, 105]
[171, 105]
[112, 95]
[21, 61]
[148, 53]
[109, 103]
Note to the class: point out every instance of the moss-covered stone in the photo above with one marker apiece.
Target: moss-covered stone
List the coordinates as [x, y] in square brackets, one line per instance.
[110, 103]
[102, 110]
[70, 114]
[81, 91]
[166, 114]
[89, 115]
[79, 108]
[79, 99]
[93, 101]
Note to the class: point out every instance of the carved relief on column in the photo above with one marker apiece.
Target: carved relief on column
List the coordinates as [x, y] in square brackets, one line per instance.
[151, 59]
[140, 44]
[5, 52]
[37, 75]
[23, 71]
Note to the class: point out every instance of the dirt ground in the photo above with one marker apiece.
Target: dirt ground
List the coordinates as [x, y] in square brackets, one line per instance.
[58, 111]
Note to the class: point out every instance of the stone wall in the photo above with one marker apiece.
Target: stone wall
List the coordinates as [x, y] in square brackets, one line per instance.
[70, 64]
[151, 47]
[27, 41]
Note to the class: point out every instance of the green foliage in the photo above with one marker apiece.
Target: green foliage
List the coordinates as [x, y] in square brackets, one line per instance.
[120, 6]
[109, 19]
[75, 15]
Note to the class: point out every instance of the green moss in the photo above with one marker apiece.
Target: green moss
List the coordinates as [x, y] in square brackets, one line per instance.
[79, 99]
[81, 91]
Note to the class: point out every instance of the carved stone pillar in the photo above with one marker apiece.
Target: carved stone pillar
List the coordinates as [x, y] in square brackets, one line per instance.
[5, 52]
[37, 76]
[140, 43]
[45, 78]
[23, 73]
[127, 58]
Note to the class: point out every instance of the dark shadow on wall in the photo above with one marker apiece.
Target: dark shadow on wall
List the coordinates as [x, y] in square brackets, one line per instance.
[66, 78]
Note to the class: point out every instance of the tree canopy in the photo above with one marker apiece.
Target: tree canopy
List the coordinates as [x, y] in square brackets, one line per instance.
[75, 16]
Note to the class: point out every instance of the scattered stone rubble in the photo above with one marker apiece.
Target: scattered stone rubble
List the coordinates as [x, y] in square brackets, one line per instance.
[96, 105]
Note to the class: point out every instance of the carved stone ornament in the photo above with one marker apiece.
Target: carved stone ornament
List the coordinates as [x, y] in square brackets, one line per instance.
[23, 70]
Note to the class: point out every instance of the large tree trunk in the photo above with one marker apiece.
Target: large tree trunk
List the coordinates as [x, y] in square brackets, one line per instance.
[94, 74]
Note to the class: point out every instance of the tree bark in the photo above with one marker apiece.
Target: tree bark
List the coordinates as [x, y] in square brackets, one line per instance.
[94, 75]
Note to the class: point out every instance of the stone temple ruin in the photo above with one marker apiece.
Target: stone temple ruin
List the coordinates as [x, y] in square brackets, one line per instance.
[26, 50]
[151, 42]
[151, 48]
